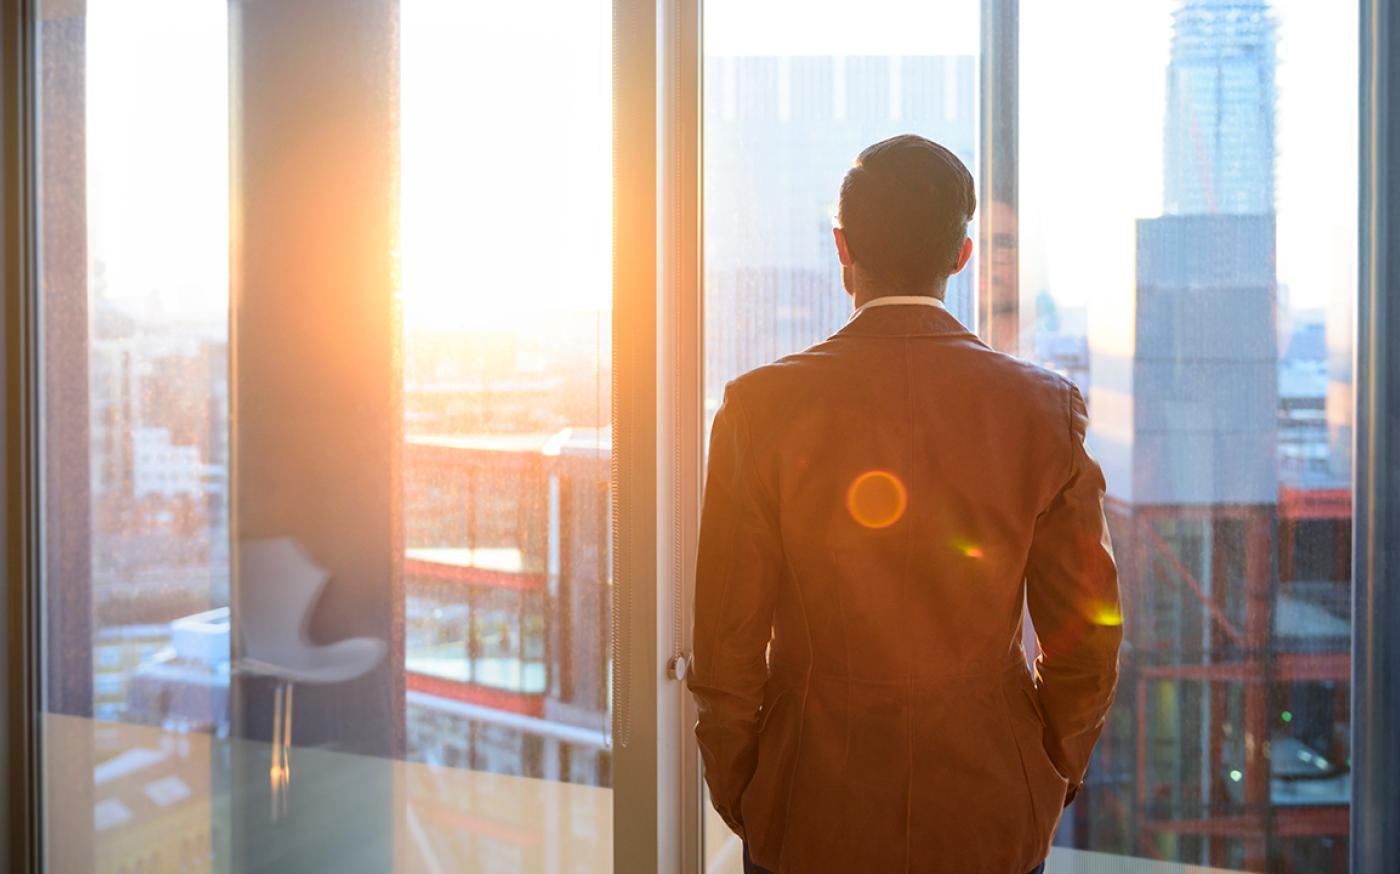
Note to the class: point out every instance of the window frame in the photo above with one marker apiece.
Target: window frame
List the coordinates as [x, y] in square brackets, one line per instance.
[1375, 717]
[680, 413]
[19, 669]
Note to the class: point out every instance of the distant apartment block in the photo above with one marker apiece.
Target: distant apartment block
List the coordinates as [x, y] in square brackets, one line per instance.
[781, 132]
[507, 571]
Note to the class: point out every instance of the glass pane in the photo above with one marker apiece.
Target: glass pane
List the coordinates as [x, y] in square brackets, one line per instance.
[1182, 259]
[786, 111]
[1161, 244]
[326, 382]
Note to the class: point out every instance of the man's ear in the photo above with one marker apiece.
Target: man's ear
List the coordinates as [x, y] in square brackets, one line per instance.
[842, 250]
[964, 254]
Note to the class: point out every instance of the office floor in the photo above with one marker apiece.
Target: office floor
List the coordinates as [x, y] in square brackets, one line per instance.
[160, 801]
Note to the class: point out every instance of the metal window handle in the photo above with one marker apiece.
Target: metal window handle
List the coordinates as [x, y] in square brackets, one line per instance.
[677, 666]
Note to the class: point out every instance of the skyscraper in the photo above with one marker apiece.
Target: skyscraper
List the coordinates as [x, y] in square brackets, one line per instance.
[1190, 414]
[1229, 623]
[1219, 148]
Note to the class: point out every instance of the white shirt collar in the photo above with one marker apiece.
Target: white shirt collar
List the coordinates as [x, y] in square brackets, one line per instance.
[896, 299]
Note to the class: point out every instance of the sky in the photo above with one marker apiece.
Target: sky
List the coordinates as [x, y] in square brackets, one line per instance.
[506, 160]
[1091, 146]
[1092, 100]
[506, 125]
[157, 155]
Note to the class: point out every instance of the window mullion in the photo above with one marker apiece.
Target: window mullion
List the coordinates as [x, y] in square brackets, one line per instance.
[680, 405]
[1375, 843]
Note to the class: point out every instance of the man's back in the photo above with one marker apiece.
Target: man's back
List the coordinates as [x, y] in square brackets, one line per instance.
[884, 502]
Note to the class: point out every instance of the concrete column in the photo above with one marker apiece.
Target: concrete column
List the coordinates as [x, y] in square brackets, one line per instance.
[66, 588]
[64, 326]
[316, 411]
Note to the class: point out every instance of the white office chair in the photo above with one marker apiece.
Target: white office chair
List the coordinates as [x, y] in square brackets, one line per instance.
[279, 587]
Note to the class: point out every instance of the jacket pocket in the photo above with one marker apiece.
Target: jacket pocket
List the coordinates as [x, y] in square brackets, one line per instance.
[763, 804]
[1028, 690]
[1044, 783]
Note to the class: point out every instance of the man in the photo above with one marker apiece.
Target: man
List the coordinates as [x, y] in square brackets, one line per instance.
[877, 511]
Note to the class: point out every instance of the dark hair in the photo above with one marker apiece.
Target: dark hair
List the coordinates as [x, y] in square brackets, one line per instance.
[904, 207]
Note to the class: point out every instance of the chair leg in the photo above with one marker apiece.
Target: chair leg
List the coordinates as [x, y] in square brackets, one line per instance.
[280, 771]
[275, 774]
[287, 691]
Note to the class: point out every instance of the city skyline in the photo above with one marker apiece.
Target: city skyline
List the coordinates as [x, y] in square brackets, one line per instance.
[777, 131]
[185, 202]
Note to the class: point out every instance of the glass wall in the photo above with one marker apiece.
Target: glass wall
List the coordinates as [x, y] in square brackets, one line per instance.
[326, 308]
[1174, 219]
[1197, 231]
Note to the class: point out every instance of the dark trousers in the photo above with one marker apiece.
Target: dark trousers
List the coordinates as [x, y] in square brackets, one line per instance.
[751, 868]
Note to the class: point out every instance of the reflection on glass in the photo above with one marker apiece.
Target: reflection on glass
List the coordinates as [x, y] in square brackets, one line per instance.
[208, 707]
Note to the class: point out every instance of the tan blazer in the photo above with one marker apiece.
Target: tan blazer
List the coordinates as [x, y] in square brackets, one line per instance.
[880, 505]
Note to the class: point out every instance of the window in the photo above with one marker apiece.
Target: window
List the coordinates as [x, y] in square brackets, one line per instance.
[1150, 190]
[786, 110]
[328, 472]
[1215, 313]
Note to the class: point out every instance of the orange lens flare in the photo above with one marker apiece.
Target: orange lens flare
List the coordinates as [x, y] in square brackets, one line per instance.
[877, 499]
[969, 550]
[1106, 615]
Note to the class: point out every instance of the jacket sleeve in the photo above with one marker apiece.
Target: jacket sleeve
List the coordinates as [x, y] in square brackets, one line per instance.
[738, 572]
[1072, 593]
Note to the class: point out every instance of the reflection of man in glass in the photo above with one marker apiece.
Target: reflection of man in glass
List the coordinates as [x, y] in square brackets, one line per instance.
[877, 510]
[1001, 281]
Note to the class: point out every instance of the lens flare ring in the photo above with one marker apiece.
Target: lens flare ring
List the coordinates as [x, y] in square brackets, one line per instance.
[877, 499]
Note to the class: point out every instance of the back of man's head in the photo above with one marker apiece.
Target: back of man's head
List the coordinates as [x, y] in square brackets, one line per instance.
[904, 208]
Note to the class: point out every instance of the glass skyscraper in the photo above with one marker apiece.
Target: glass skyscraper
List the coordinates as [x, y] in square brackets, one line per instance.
[1219, 151]
[1237, 629]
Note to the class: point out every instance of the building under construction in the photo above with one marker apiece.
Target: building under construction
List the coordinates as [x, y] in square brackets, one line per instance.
[1228, 744]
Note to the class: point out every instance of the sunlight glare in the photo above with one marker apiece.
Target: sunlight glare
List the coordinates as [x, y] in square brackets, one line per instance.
[506, 161]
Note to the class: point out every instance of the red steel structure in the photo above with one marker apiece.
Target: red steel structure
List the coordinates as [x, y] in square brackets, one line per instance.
[510, 533]
[1216, 637]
